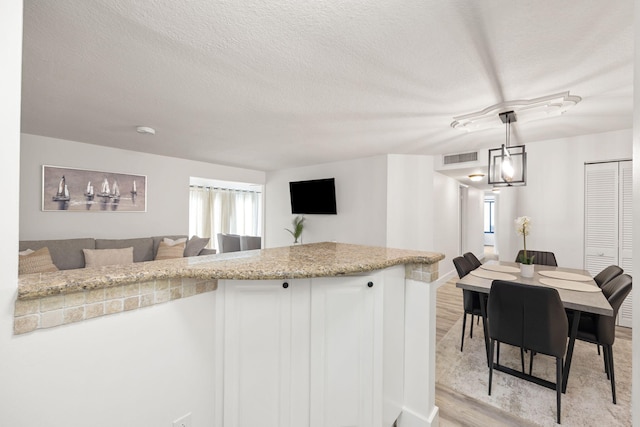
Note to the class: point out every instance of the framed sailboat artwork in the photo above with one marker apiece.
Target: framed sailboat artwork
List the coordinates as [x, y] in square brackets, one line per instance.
[81, 190]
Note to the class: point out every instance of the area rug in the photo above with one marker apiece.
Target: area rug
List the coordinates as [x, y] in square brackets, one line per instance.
[587, 401]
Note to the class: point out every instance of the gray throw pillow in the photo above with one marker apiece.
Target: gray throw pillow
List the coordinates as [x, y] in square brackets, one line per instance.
[195, 245]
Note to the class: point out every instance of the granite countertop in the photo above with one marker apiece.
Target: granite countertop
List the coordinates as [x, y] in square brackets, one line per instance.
[289, 262]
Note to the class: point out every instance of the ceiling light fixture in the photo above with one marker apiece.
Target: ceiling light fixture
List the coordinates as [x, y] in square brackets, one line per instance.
[476, 177]
[527, 110]
[146, 130]
[495, 190]
[507, 164]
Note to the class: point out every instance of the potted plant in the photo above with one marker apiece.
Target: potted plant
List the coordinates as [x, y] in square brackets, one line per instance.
[523, 227]
[298, 226]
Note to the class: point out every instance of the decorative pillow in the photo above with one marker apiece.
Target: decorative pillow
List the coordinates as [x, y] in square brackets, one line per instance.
[166, 251]
[102, 257]
[171, 242]
[195, 245]
[36, 262]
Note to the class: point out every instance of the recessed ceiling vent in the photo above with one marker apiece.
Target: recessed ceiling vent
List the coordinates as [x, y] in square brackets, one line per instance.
[461, 158]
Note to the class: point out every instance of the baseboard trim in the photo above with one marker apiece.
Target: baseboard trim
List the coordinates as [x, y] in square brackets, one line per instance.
[408, 418]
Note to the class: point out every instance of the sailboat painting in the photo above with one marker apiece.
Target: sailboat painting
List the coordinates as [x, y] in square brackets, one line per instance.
[70, 189]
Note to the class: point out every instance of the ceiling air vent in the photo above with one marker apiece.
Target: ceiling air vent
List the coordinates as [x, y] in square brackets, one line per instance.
[461, 158]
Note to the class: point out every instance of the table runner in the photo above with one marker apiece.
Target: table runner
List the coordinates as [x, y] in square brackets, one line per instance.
[492, 275]
[500, 268]
[569, 285]
[564, 275]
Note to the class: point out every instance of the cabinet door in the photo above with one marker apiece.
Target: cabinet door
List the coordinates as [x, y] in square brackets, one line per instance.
[626, 234]
[344, 337]
[257, 353]
[601, 216]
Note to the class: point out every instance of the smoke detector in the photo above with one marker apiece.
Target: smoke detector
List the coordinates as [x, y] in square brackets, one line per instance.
[146, 130]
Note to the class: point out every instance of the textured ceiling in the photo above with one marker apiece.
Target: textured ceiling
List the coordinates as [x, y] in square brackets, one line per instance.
[286, 83]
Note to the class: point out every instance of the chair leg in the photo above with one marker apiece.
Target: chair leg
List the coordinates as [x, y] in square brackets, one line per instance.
[498, 354]
[491, 346]
[522, 358]
[606, 362]
[464, 326]
[609, 349]
[559, 364]
[530, 362]
[471, 333]
[598, 345]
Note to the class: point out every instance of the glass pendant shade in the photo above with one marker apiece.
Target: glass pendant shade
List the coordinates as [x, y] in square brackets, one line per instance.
[507, 166]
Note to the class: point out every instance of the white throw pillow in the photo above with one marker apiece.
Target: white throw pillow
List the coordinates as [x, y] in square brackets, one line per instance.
[171, 242]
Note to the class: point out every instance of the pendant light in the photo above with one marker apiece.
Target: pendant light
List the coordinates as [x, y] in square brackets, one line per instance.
[507, 164]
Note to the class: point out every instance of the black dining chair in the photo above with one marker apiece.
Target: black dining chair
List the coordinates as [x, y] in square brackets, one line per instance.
[600, 329]
[539, 257]
[471, 300]
[607, 275]
[530, 317]
[473, 260]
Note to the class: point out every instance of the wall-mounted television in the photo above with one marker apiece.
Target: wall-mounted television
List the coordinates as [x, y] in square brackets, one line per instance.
[316, 196]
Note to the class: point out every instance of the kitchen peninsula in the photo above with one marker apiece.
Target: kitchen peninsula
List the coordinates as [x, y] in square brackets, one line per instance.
[307, 335]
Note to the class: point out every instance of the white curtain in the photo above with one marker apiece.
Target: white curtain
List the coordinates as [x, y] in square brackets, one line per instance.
[221, 210]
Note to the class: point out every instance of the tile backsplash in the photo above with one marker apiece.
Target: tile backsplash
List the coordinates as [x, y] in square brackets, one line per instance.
[52, 311]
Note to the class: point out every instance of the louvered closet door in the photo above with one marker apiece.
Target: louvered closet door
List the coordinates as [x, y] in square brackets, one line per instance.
[609, 222]
[625, 239]
[601, 216]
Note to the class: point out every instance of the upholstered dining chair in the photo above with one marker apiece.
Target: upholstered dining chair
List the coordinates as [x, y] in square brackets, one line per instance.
[473, 260]
[540, 258]
[601, 330]
[248, 243]
[530, 317]
[471, 300]
[228, 242]
[607, 274]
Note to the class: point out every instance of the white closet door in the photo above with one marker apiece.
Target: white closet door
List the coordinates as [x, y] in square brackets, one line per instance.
[601, 216]
[626, 229]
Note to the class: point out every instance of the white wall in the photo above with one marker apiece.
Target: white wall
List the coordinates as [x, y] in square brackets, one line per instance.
[554, 195]
[361, 200]
[410, 202]
[167, 190]
[475, 222]
[141, 368]
[394, 200]
[446, 222]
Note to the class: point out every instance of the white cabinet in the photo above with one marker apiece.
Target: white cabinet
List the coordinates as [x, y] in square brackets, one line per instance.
[608, 221]
[343, 336]
[260, 338]
[320, 352]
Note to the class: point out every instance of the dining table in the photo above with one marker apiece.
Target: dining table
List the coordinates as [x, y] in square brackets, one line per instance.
[578, 292]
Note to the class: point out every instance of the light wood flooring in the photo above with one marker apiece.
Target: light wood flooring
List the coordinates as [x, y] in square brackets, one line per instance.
[457, 409]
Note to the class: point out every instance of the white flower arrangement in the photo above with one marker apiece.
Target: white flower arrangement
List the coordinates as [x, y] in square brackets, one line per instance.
[523, 227]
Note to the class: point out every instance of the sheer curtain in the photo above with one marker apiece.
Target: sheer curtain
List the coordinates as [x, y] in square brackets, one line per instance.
[221, 210]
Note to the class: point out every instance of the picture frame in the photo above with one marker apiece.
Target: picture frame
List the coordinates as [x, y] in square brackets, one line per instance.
[67, 189]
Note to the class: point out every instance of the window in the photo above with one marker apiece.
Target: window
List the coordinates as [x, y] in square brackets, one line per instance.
[214, 210]
[489, 216]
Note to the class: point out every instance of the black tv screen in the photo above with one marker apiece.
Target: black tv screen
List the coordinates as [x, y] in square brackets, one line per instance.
[316, 196]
